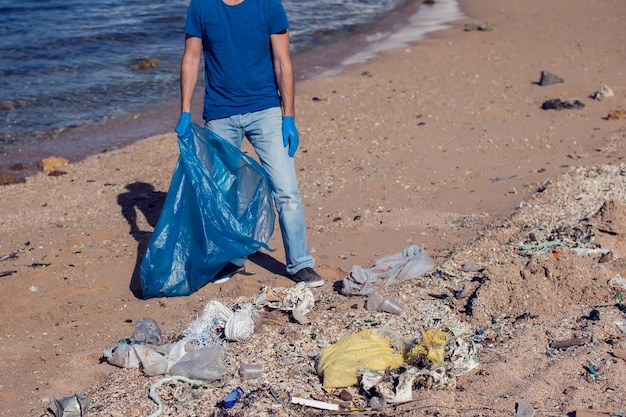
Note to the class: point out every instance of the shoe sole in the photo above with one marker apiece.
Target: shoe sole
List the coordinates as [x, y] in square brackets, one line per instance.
[227, 277]
[314, 284]
[221, 280]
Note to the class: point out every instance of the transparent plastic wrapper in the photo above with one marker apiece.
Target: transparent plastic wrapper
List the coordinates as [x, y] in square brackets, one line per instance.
[205, 364]
[218, 208]
[147, 331]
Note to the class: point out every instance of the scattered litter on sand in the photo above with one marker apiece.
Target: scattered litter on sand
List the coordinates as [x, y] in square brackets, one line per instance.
[485, 26]
[558, 104]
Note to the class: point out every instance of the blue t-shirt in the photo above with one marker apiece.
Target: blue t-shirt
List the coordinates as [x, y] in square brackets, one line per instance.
[238, 65]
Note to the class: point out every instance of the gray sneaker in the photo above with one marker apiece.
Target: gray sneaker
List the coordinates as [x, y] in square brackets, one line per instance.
[307, 275]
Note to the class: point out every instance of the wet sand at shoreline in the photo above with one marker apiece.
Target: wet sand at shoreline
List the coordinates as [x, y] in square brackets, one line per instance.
[328, 57]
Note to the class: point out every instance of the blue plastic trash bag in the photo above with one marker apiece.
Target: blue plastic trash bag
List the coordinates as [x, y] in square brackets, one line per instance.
[218, 208]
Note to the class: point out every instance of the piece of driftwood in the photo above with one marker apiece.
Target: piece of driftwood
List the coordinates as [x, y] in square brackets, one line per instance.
[562, 344]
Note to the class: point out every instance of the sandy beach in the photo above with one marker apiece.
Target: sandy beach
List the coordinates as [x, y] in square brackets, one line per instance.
[442, 144]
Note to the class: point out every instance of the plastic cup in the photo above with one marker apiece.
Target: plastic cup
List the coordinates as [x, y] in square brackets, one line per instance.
[374, 301]
[390, 305]
[250, 370]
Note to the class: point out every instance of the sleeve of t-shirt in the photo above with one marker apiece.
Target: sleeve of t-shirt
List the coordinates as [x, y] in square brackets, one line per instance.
[192, 24]
[276, 16]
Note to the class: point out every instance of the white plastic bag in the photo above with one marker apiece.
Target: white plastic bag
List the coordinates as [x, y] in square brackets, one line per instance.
[204, 363]
[412, 262]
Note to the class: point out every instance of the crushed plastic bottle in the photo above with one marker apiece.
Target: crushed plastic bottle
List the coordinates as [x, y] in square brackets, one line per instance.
[232, 397]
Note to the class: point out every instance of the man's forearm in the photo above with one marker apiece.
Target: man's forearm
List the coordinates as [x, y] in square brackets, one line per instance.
[283, 70]
[189, 67]
[188, 80]
[286, 86]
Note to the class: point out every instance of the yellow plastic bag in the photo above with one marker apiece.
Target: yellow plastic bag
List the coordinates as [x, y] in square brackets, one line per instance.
[339, 363]
[430, 349]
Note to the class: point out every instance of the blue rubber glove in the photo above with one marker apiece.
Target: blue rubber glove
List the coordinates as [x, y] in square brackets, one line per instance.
[290, 135]
[183, 127]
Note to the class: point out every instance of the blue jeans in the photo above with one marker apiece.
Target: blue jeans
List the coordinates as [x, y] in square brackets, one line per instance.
[264, 131]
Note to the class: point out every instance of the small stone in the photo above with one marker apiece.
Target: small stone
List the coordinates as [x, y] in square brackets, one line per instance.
[594, 315]
[606, 257]
[548, 78]
[616, 114]
[145, 63]
[479, 26]
[52, 163]
[7, 179]
[524, 410]
[603, 92]
[345, 395]
[377, 403]
[470, 266]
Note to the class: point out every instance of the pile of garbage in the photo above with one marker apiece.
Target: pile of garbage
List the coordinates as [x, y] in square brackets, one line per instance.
[385, 365]
[200, 351]
[389, 368]
[382, 363]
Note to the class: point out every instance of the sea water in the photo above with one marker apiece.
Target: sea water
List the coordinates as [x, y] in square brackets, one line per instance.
[68, 64]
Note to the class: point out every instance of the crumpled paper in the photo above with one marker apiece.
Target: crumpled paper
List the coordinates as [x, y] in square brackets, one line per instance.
[412, 262]
[298, 299]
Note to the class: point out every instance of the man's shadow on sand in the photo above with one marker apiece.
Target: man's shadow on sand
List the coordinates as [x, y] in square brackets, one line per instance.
[141, 197]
